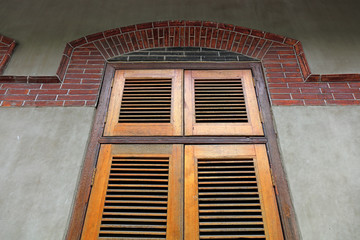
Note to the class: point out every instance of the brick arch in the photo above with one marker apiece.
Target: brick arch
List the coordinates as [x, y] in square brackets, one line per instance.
[272, 49]
[7, 46]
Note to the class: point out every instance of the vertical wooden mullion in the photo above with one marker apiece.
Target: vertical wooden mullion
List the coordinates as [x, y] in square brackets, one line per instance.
[191, 205]
[97, 198]
[174, 227]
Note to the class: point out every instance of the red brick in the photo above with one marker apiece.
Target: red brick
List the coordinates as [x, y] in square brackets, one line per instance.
[94, 37]
[112, 32]
[18, 91]
[288, 102]
[275, 37]
[83, 91]
[275, 75]
[280, 52]
[338, 85]
[74, 81]
[280, 96]
[277, 85]
[284, 90]
[354, 84]
[77, 42]
[340, 90]
[272, 65]
[12, 103]
[290, 65]
[77, 97]
[46, 91]
[357, 95]
[343, 96]
[290, 41]
[51, 86]
[310, 90]
[46, 97]
[257, 33]
[80, 86]
[311, 96]
[92, 81]
[128, 29]
[17, 97]
[25, 86]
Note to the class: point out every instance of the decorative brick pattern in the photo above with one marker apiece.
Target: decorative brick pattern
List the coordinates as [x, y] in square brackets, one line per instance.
[7, 46]
[288, 75]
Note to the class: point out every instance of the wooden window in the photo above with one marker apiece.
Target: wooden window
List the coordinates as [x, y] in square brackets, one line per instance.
[228, 193]
[145, 103]
[182, 191]
[221, 103]
[136, 193]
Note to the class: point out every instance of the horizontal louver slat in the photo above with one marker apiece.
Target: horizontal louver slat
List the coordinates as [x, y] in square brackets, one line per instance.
[146, 101]
[229, 204]
[219, 101]
[136, 199]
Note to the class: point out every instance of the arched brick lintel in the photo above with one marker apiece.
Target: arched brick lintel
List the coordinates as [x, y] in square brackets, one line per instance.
[7, 46]
[268, 47]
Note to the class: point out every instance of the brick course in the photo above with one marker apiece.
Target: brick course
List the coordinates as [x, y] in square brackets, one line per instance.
[79, 75]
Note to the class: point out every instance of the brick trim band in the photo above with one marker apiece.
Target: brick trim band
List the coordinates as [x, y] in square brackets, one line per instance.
[7, 46]
[289, 78]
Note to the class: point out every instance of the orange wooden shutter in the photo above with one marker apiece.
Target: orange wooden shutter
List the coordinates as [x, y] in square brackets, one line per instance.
[228, 193]
[221, 102]
[136, 193]
[144, 103]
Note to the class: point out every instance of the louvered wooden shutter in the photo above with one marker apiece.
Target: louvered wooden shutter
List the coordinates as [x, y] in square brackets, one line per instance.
[221, 102]
[145, 102]
[136, 193]
[228, 193]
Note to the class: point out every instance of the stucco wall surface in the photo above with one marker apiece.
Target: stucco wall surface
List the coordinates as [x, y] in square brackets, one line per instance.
[321, 148]
[328, 29]
[41, 152]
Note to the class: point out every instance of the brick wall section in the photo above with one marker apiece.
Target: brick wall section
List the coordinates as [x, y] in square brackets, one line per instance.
[80, 86]
[7, 46]
[82, 64]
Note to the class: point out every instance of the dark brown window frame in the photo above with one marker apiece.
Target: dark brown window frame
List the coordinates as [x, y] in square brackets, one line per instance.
[286, 209]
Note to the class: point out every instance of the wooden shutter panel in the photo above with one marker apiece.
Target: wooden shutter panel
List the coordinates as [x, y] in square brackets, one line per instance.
[228, 193]
[145, 102]
[221, 102]
[136, 193]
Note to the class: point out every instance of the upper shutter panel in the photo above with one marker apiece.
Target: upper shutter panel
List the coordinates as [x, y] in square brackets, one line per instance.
[135, 193]
[229, 193]
[221, 103]
[144, 103]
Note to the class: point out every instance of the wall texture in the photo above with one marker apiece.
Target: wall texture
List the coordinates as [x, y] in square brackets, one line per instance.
[320, 148]
[327, 29]
[41, 153]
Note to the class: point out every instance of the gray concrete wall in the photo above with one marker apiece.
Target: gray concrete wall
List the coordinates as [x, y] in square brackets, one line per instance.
[41, 152]
[328, 29]
[321, 149]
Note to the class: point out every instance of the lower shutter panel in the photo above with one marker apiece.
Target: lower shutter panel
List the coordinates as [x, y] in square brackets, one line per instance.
[136, 199]
[229, 204]
[228, 193]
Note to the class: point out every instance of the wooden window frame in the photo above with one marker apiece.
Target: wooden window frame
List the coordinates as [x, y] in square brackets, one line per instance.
[285, 206]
